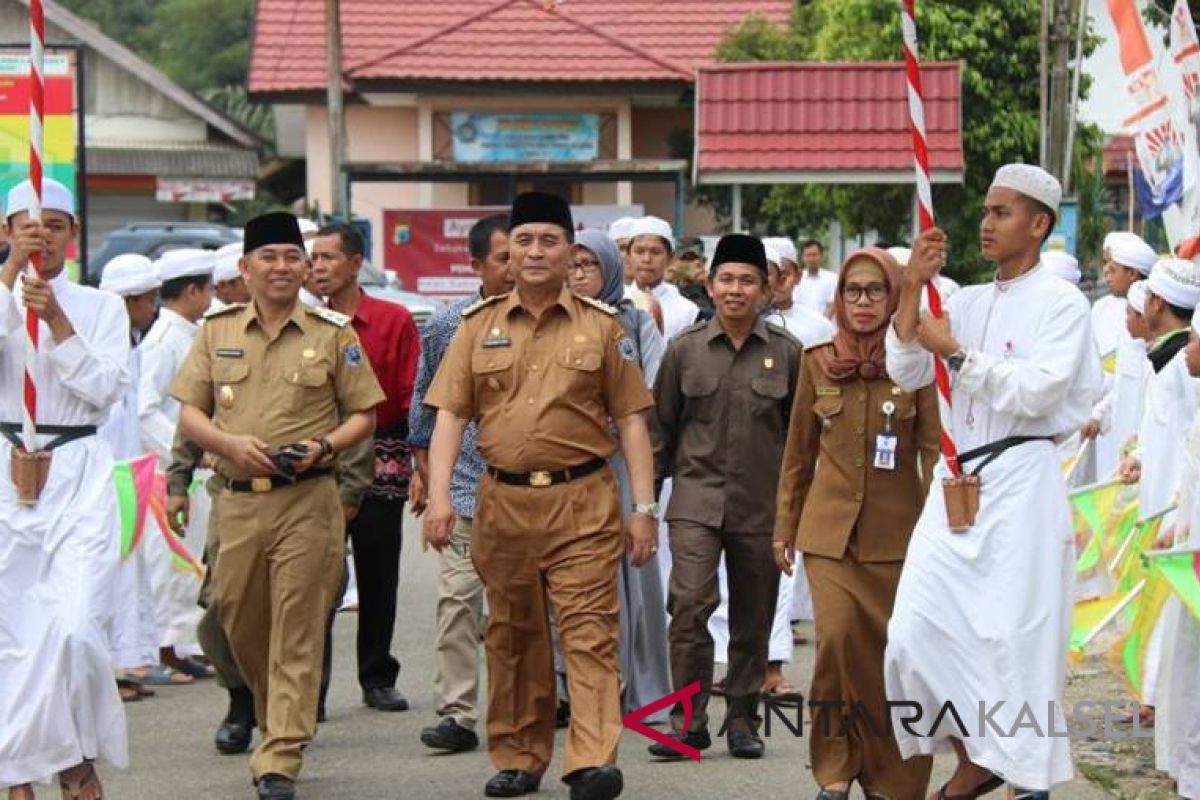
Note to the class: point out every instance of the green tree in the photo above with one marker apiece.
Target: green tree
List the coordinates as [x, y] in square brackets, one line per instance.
[997, 45]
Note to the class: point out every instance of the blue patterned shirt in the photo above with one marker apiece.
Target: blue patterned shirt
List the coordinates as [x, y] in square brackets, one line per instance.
[470, 465]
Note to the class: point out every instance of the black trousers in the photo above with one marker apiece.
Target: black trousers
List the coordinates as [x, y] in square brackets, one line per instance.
[375, 536]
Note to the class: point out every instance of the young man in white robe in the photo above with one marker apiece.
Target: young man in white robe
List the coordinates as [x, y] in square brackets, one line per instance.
[59, 707]
[133, 278]
[983, 613]
[1177, 730]
[651, 246]
[1172, 294]
[186, 295]
[1114, 420]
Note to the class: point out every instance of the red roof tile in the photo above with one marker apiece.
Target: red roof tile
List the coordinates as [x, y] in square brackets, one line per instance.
[823, 117]
[469, 40]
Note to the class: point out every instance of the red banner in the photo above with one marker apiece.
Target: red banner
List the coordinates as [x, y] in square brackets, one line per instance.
[427, 249]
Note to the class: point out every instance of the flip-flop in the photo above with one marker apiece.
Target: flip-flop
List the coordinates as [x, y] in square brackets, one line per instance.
[73, 790]
[784, 692]
[990, 785]
[162, 675]
[195, 669]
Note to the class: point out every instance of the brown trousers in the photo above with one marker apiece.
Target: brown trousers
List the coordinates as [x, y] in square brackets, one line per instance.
[693, 596]
[209, 632]
[278, 564]
[852, 602]
[560, 544]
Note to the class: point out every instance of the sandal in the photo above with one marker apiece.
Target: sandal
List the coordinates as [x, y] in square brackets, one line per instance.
[74, 790]
[195, 669]
[128, 692]
[990, 785]
[783, 692]
[163, 675]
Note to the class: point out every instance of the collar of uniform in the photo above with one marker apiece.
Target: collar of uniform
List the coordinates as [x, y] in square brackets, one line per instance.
[716, 329]
[250, 314]
[565, 300]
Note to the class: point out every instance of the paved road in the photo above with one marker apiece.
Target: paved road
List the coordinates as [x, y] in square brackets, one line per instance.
[361, 753]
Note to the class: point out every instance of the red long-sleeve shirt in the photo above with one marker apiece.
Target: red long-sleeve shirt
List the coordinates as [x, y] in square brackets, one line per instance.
[389, 336]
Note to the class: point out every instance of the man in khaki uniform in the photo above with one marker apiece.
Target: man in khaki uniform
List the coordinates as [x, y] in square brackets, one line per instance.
[544, 373]
[261, 391]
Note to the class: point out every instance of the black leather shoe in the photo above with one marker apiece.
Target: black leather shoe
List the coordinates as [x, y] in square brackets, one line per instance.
[274, 786]
[745, 744]
[449, 735]
[385, 698]
[512, 783]
[237, 729]
[596, 783]
[697, 739]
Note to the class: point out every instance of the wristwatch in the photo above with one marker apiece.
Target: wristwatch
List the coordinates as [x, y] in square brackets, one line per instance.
[649, 509]
[957, 359]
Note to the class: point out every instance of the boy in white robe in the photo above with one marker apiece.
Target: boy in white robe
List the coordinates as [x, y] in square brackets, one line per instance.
[983, 613]
[59, 707]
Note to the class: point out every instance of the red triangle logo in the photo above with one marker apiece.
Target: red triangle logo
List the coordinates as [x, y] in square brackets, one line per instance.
[632, 720]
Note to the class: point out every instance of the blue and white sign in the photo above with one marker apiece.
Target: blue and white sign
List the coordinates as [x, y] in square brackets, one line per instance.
[483, 138]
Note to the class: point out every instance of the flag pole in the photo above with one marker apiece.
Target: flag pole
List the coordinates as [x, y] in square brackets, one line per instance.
[37, 40]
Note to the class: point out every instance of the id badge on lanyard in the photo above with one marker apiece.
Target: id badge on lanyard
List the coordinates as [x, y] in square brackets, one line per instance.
[885, 443]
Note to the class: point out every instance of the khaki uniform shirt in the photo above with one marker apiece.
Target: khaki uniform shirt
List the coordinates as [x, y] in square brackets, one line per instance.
[723, 418]
[829, 488]
[283, 390]
[542, 390]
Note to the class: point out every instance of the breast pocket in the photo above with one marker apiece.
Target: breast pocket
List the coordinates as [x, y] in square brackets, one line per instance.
[700, 396]
[828, 409]
[769, 394]
[579, 371]
[309, 382]
[492, 371]
[229, 382]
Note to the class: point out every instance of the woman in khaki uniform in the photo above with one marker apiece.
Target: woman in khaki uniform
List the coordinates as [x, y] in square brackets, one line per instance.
[855, 472]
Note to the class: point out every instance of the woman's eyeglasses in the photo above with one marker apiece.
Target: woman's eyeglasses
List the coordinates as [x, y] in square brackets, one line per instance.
[875, 292]
[588, 266]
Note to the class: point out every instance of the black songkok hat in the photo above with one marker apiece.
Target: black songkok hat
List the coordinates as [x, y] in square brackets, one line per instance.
[741, 249]
[278, 227]
[530, 207]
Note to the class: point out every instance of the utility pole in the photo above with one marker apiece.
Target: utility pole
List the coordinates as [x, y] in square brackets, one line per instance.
[1043, 88]
[337, 122]
[1060, 87]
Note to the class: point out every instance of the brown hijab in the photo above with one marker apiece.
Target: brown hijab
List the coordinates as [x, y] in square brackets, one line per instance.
[855, 355]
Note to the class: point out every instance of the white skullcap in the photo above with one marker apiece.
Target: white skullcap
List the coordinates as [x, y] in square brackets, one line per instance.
[619, 229]
[901, 254]
[307, 226]
[1136, 297]
[1130, 250]
[185, 263]
[784, 246]
[1176, 280]
[771, 252]
[226, 266]
[1062, 264]
[653, 226]
[1032, 182]
[130, 274]
[55, 197]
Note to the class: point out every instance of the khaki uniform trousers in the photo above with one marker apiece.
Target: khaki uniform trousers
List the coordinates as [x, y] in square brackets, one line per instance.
[692, 598]
[459, 623]
[209, 632]
[278, 564]
[534, 546]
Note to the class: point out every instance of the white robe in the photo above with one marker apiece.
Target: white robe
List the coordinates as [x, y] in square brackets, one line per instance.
[163, 352]
[984, 616]
[1119, 411]
[58, 559]
[678, 312]
[816, 291]
[135, 630]
[1177, 721]
[807, 326]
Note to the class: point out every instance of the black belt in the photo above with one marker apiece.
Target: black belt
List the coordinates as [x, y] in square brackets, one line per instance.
[990, 452]
[63, 433]
[546, 477]
[269, 482]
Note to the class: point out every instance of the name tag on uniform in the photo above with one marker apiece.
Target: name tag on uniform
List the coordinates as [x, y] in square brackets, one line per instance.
[230, 352]
[829, 391]
[490, 343]
[885, 451]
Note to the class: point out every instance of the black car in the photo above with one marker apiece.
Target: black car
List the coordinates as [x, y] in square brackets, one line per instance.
[152, 239]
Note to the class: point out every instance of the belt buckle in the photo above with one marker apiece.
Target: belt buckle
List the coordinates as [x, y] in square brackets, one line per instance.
[260, 485]
[540, 479]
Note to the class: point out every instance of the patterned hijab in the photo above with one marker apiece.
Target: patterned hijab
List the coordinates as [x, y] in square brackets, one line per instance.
[855, 355]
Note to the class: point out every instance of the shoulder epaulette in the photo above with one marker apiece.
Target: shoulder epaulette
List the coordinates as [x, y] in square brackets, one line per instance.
[329, 315]
[598, 305]
[695, 326]
[778, 329]
[487, 301]
[224, 310]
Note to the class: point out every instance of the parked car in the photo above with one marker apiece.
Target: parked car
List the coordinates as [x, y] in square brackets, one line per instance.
[152, 239]
[377, 283]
